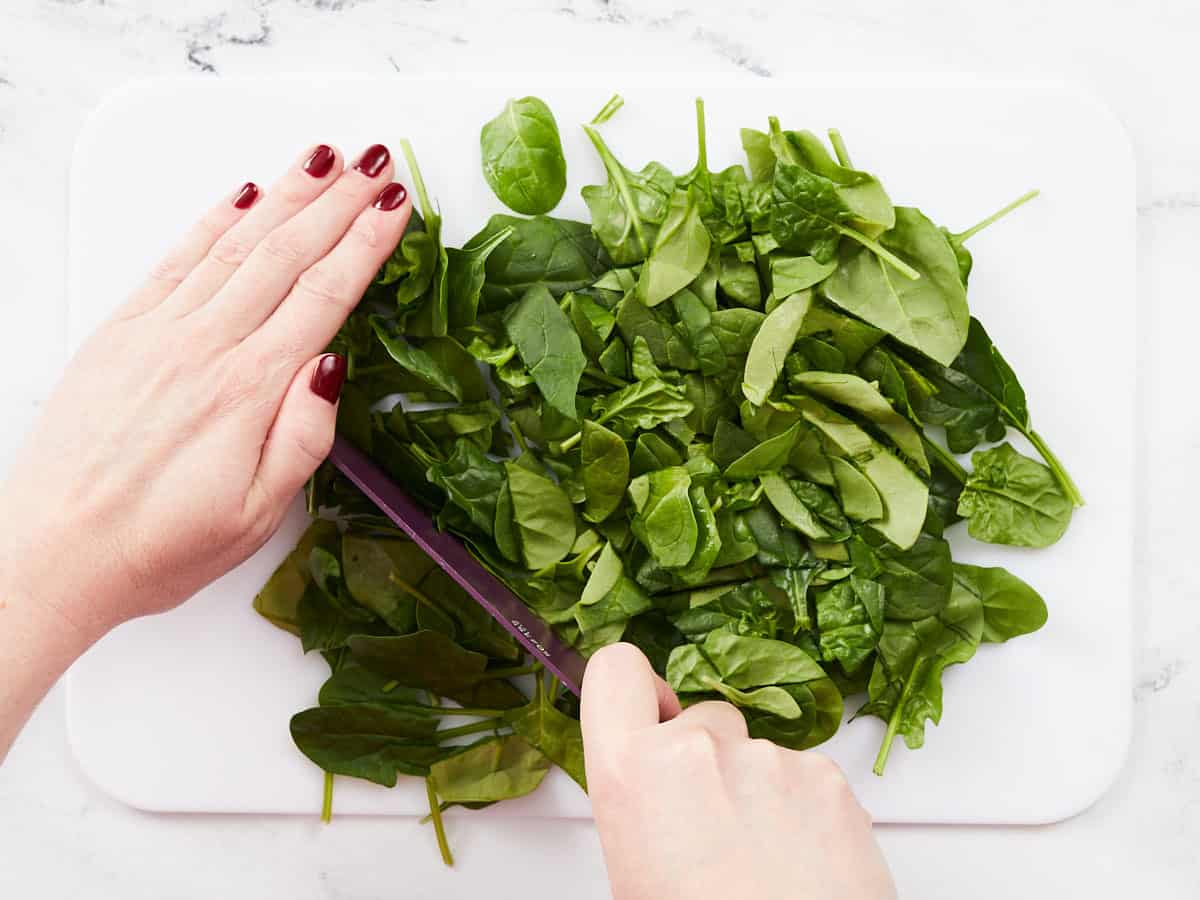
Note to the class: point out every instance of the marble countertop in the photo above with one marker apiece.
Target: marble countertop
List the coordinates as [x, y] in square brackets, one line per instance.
[60, 837]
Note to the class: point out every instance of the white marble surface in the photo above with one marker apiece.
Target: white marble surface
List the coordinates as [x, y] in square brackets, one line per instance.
[59, 837]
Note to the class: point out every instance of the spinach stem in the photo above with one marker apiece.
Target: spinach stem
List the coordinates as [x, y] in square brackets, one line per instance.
[410, 589]
[327, 799]
[701, 138]
[894, 722]
[609, 109]
[418, 181]
[1065, 481]
[617, 176]
[949, 462]
[881, 251]
[553, 688]
[570, 442]
[601, 375]
[963, 236]
[435, 813]
[463, 730]
[518, 436]
[839, 148]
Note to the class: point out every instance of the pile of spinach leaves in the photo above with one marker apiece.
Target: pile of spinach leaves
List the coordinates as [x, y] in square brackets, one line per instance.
[722, 420]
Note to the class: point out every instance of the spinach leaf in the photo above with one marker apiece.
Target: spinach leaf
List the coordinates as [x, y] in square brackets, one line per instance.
[523, 157]
[850, 617]
[771, 345]
[905, 497]
[852, 392]
[918, 580]
[664, 520]
[466, 275]
[494, 769]
[735, 329]
[680, 251]
[769, 456]
[471, 481]
[628, 211]
[279, 599]
[556, 735]
[791, 274]
[604, 460]
[1011, 499]
[543, 515]
[644, 404]
[368, 742]
[559, 254]
[1011, 608]
[806, 507]
[906, 682]
[415, 360]
[695, 320]
[430, 315]
[549, 347]
[928, 313]
[860, 500]
[433, 661]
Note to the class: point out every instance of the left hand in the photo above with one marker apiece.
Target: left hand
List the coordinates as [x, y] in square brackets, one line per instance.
[185, 425]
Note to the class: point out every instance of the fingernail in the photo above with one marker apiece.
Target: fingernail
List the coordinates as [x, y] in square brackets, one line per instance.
[391, 197]
[320, 162]
[244, 199]
[373, 160]
[328, 377]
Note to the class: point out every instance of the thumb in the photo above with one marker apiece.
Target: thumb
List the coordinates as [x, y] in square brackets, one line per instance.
[300, 437]
[622, 694]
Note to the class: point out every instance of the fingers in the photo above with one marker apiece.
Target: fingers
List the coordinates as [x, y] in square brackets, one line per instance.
[302, 433]
[282, 256]
[326, 293]
[622, 694]
[315, 170]
[175, 267]
[722, 720]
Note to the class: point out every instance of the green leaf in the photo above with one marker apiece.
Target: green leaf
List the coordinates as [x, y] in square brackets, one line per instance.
[791, 274]
[771, 345]
[558, 254]
[665, 522]
[380, 574]
[628, 211]
[643, 404]
[917, 579]
[679, 253]
[471, 481]
[695, 319]
[466, 275]
[852, 392]
[928, 313]
[413, 359]
[1010, 607]
[556, 735]
[279, 599]
[494, 769]
[735, 329]
[850, 618]
[431, 660]
[367, 741]
[543, 515]
[806, 507]
[604, 461]
[523, 157]
[905, 497]
[769, 456]
[860, 500]
[549, 347]
[1011, 499]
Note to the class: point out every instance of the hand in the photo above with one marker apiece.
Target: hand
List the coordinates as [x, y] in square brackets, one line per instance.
[693, 808]
[188, 422]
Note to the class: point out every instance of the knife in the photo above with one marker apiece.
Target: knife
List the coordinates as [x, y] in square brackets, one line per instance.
[448, 552]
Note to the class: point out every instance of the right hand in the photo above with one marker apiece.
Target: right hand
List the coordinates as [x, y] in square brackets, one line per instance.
[688, 806]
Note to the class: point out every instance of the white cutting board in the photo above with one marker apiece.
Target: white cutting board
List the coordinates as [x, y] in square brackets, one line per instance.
[189, 711]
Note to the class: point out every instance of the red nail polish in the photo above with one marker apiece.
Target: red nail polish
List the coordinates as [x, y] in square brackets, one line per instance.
[391, 197]
[320, 162]
[244, 199]
[328, 377]
[373, 160]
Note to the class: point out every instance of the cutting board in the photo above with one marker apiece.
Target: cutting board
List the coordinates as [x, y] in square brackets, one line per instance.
[189, 711]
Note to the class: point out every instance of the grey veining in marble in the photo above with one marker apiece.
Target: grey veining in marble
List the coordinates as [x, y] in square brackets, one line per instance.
[60, 837]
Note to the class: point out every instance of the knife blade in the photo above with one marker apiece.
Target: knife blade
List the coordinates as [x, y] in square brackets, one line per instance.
[448, 552]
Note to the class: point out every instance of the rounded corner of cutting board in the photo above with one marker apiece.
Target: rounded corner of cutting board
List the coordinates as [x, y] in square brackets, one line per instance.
[94, 766]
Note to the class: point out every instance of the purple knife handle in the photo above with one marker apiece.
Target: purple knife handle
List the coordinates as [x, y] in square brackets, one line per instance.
[449, 553]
